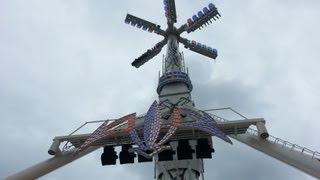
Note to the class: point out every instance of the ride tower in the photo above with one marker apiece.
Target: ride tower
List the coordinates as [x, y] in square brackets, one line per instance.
[174, 88]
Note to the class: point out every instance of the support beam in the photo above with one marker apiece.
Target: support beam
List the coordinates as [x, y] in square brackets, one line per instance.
[50, 165]
[306, 162]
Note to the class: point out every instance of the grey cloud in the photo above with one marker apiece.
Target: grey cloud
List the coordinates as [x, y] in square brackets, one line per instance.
[66, 62]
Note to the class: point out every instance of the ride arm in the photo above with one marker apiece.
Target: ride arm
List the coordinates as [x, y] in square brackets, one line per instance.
[199, 48]
[170, 12]
[145, 25]
[202, 18]
[145, 57]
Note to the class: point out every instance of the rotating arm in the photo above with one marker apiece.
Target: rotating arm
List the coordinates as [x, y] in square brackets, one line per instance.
[145, 57]
[199, 48]
[170, 12]
[202, 18]
[145, 25]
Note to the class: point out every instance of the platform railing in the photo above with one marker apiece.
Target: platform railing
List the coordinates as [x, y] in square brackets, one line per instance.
[272, 139]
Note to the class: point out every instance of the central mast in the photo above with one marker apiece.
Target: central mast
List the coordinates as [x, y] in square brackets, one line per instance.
[174, 84]
[174, 87]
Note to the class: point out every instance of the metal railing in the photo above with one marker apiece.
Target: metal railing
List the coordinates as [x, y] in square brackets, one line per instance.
[67, 146]
[287, 144]
[272, 139]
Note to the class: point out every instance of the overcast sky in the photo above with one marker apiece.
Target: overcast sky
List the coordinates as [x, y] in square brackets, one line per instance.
[66, 62]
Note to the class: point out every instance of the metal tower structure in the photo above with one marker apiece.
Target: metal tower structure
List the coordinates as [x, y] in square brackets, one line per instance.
[173, 133]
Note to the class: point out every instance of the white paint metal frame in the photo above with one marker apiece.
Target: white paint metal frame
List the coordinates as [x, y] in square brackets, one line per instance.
[301, 158]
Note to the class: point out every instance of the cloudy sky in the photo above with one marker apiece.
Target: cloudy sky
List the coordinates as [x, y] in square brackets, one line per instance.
[65, 62]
